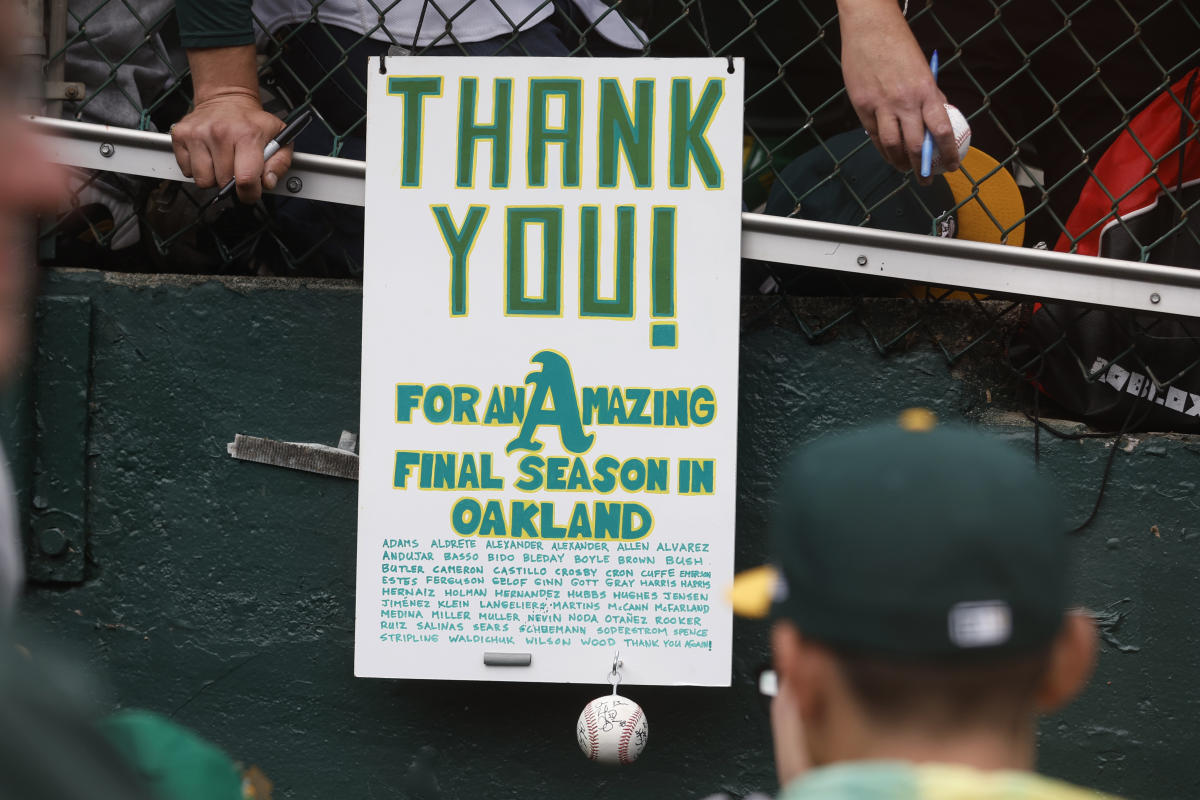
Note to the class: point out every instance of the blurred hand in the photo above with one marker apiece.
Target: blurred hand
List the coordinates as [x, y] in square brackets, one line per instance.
[890, 85]
[29, 185]
[224, 135]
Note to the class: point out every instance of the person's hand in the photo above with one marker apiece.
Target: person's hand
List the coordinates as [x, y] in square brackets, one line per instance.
[890, 85]
[223, 138]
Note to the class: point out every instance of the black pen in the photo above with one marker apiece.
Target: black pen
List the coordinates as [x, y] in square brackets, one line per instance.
[281, 140]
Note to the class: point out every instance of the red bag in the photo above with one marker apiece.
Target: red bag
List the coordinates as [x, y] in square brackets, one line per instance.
[1152, 171]
[1142, 203]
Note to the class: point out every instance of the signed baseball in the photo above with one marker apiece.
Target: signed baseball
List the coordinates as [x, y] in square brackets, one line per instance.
[613, 730]
[962, 139]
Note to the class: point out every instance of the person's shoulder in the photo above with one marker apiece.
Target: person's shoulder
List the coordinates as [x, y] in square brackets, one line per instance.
[901, 780]
[885, 780]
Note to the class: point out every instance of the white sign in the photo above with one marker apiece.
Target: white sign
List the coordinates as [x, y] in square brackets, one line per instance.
[549, 377]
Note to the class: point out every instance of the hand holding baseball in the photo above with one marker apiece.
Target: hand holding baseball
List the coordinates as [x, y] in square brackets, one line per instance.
[890, 85]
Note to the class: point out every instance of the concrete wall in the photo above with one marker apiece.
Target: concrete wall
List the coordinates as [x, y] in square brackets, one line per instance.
[221, 592]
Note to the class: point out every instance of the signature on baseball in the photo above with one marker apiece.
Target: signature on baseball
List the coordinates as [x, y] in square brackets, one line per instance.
[607, 714]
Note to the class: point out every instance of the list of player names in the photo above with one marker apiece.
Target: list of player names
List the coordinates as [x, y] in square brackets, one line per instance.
[523, 593]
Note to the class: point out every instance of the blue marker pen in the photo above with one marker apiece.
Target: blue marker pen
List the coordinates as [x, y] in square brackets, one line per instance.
[927, 144]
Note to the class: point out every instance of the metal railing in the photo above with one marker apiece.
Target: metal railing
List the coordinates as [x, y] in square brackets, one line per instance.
[778, 240]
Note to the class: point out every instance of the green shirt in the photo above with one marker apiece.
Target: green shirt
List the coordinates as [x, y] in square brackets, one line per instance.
[901, 780]
[214, 23]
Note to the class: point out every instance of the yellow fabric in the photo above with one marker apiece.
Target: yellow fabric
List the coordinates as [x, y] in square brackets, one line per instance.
[964, 783]
[990, 201]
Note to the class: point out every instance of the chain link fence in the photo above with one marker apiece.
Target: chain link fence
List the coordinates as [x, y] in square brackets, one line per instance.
[1083, 113]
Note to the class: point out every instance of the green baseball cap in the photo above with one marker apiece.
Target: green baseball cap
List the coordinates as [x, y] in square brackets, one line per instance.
[914, 539]
[845, 180]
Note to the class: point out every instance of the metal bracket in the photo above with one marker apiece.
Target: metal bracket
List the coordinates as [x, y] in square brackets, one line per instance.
[57, 549]
[339, 462]
[65, 90]
[507, 659]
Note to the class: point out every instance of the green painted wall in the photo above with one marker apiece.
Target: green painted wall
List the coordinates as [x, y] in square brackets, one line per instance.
[221, 592]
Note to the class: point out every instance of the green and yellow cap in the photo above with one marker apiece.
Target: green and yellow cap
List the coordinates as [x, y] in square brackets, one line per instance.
[914, 539]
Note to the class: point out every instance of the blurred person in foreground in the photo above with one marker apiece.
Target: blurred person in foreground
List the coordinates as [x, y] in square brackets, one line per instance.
[29, 185]
[921, 625]
[47, 749]
[50, 747]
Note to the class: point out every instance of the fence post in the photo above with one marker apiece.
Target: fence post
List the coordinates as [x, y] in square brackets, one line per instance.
[33, 53]
[56, 69]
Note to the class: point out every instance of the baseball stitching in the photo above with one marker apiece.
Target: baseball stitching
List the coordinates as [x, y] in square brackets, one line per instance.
[626, 735]
[962, 136]
[589, 716]
[958, 142]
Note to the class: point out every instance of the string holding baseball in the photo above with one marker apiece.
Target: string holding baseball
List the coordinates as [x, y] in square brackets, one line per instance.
[613, 729]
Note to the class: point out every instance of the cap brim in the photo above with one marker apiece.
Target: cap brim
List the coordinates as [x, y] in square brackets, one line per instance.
[990, 208]
[753, 592]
